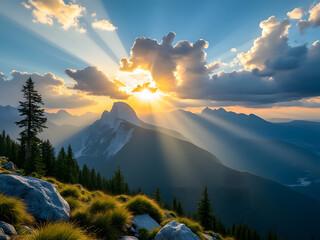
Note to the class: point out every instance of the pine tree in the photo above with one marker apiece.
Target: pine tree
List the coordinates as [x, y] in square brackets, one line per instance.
[47, 153]
[33, 120]
[180, 210]
[174, 204]
[157, 197]
[205, 215]
[60, 166]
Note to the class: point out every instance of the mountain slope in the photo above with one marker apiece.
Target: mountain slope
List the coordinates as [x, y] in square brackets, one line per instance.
[151, 159]
[55, 133]
[284, 152]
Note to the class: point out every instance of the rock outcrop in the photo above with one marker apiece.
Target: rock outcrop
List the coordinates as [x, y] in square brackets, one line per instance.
[176, 231]
[41, 198]
[145, 221]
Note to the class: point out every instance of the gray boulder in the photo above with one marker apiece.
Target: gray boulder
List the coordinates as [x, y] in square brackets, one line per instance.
[128, 238]
[3, 236]
[41, 198]
[8, 228]
[176, 231]
[10, 166]
[145, 221]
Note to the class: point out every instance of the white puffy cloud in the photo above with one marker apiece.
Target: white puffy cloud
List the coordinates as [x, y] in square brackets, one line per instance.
[172, 67]
[273, 42]
[95, 82]
[274, 70]
[313, 20]
[233, 49]
[45, 11]
[53, 90]
[296, 13]
[104, 25]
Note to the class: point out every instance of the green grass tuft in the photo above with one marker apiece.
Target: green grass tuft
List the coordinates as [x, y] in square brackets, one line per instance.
[144, 234]
[153, 233]
[73, 203]
[112, 224]
[82, 218]
[141, 204]
[71, 191]
[102, 205]
[13, 211]
[61, 231]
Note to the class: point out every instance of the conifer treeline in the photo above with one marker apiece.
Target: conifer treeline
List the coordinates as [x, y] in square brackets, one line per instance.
[64, 167]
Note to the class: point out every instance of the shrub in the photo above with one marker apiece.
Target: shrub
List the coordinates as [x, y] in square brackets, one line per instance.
[71, 191]
[102, 205]
[195, 227]
[13, 211]
[144, 233]
[5, 172]
[141, 204]
[61, 231]
[112, 223]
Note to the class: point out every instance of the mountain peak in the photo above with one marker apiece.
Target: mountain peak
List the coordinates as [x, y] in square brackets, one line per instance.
[209, 110]
[120, 111]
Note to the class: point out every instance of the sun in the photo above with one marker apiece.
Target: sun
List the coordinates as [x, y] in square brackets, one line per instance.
[146, 95]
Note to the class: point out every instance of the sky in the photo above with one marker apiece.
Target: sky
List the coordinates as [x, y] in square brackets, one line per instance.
[258, 57]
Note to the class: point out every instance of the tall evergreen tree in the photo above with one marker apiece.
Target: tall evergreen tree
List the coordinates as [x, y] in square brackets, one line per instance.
[204, 213]
[180, 210]
[174, 204]
[47, 153]
[33, 120]
[157, 197]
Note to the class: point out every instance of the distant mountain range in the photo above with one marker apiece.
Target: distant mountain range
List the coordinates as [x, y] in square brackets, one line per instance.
[61, 125]
[284, 152]
[151, 158]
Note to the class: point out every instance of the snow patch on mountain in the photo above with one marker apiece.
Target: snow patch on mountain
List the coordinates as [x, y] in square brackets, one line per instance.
[109, 135]
[121, 138]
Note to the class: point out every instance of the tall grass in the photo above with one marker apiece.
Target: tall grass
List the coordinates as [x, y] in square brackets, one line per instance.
[71, 191]
[102, 205]
[141, 204]
[59, 231]
[112, 223]
[14, 211]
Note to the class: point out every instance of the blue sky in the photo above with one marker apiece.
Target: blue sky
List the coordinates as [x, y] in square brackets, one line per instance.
[31, 45]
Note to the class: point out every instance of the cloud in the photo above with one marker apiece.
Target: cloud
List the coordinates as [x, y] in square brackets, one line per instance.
[95, 82]
[170, 66]
[296, 13]
[104, 25]
[144, 86]
[45, 11]
[313, 21]
[274, 41]
[274, 71]
[53, 90]
[233, 49]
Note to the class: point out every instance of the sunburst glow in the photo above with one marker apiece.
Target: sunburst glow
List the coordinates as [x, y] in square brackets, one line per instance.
[147, 95]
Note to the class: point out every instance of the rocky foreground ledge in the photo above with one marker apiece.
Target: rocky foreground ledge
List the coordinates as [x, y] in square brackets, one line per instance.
[42, 199]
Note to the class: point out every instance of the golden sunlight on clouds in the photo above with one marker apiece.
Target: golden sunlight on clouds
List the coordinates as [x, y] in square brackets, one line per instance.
[45, 11]
[104, 25]
[296, 13]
